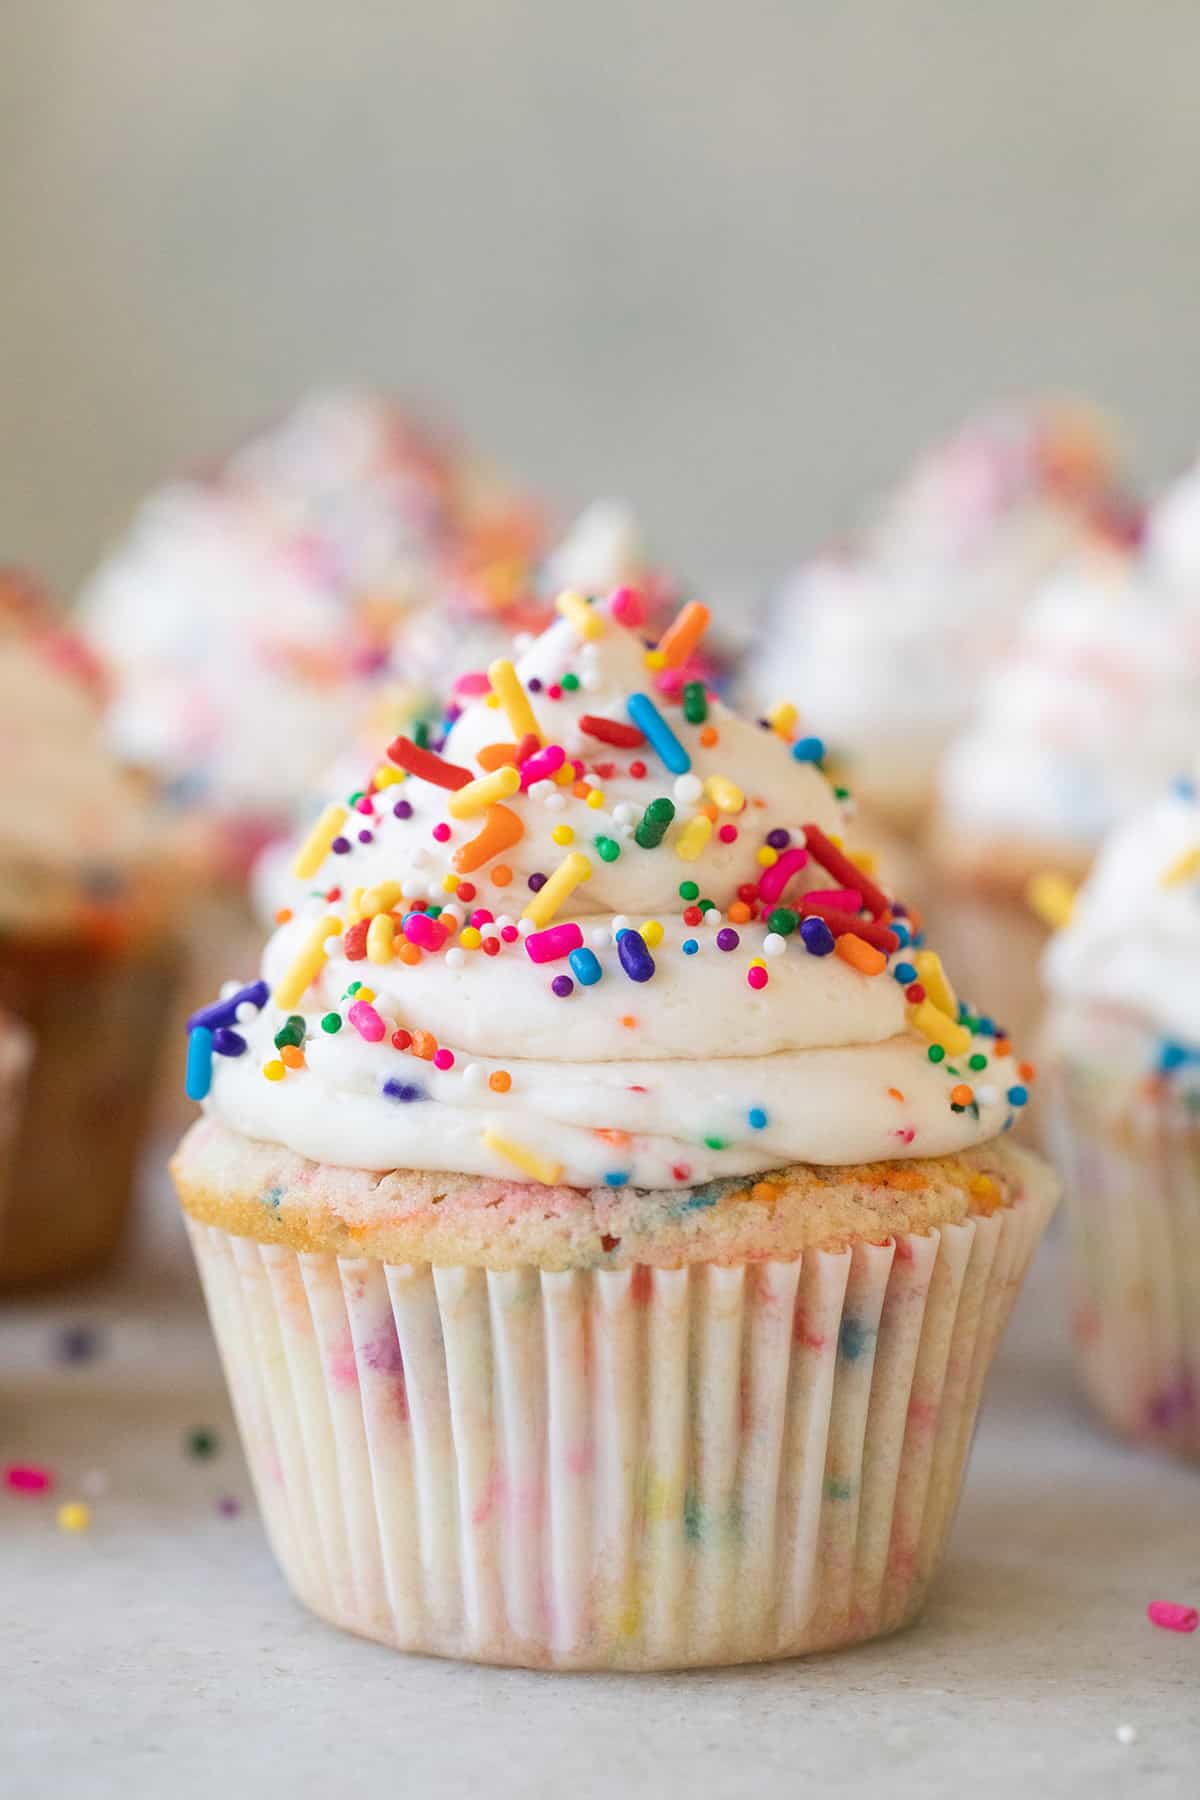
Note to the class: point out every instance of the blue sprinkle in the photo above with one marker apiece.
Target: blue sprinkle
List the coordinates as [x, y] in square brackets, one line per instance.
[1173, 1056]
[1017, 1096]
[986, 1027]
[690, 946]
[853, 1339]
[617, 1177]
[901, 930]
[636, 959]
[199, 1063]
[272, 1196]
[586, 967]
[225, 1012]
[837, 1490]
[701, 1198]
[904, 973]
[809, 750]
[227, 1042]
[403, 1090]
[1183, 787]
[650, 722]
[757, 1117]
[816, 937]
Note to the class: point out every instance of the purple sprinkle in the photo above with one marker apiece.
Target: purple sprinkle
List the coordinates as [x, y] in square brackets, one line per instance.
[537, 881]
[636, 959]
[225, 1012]
[340, 845]
[403, 1090]
[816, 937]
[534, 684]
[366, 837]
[402, 809]
[78, 1343]
[227, 1042]
[727, 938]
[228, 1507]
[562, 985]
[779, 839]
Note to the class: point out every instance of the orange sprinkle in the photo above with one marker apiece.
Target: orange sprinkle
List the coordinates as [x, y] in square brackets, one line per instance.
[860, 955]
[895, 1093]
[283, 915]
[409, 954]
[683, 634]
[496, 756]
[757, 800]
[501, 875]
[292, 1055]
[581, 790]
[502, 829]
[708, 811]
[499, 1081]
[1002, 1046]
[1027, 1071]
[739, 912]
[962, 1095]
[618, 1139]
[764, 1193]
[628, 1021]
[709, 735]
[423, 1045]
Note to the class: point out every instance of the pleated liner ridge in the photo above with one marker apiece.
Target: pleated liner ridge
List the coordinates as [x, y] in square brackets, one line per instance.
[628, 1469]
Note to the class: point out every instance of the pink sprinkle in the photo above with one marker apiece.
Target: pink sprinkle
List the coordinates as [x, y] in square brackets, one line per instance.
[443, 1059]
[728, 834]
[441, 832]
[481, 916]
[756, 977]
[772, 881]
[420, 929]
[1171, 1616]
[627, 606]
[669, 682]
[28, 1478]
[366, 1021]
[555, 942]
[845, 899]
[542, 765]
[509, 933]
[365, 805]
[474, 682]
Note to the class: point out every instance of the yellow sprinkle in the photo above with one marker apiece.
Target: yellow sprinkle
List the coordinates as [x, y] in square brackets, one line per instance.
[693, 838]
[315, 848]
[308, 964]
[564, 775]
[1182, 869]
[364, 993]
[983, 1186]
[506, 685]
[387, 775]
[652, 932]
[274, 1070]
[354, 905]
[1052, 898]
[766, 858]
[380, 933]
[866, 860]
[588, 623]
[838, 842]
[782, 719]
[528, 1161]
[562, 834]
[477, 796]
[655, 659]
[492, 700]
[470, 937]
[573, 869]
[939, 1027]
[450, 884]
[933, 979]
[725, 794]
[73, 1515]
[595, 799]
[379, 899]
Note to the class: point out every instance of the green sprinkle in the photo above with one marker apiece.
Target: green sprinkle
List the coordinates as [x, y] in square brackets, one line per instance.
[652, 828]
[431, 912]
[841, 793]
[202, 1442]
[935, 1053]
[353, 988]
[978, 1061]
[290, 1032]
[331, 1022]
[421, 734]
[607, 849]
[688, 890]
[570, 683]
[695, 702]
[356, 796]
[706, 905]
[715, 1143]
[783, 920]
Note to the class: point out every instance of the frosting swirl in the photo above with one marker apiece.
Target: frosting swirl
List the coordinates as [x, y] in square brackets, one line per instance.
[606, 935]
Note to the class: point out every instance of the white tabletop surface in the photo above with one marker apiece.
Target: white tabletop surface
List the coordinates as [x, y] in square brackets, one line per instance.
[159, 1653]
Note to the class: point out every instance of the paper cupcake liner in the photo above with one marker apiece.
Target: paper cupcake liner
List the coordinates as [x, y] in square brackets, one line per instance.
[96, 1020]
[633, 1469]
[1130, 1160]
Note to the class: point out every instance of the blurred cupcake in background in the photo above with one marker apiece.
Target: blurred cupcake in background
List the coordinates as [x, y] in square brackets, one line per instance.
[1122, 1093]
[1086, 719]
[87, 953]
[883, 643]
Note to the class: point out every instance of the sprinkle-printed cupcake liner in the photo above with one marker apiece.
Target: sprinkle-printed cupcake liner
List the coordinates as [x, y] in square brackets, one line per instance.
[1129, 1153]
[96, 1018]
[631, 1469]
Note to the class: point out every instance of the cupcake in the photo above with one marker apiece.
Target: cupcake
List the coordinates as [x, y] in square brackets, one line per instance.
[87, 959]
[1123, 1103]
[603, 1203]
[884, 641]
[1087, 719]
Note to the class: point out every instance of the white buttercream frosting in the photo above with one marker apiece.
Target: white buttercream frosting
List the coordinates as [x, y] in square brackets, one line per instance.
[741, 1051]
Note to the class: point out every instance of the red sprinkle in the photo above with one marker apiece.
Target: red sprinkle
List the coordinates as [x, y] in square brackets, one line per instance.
[1172, 1616]
[401, 1039]
[426, 766]
[354, 943]
[842, 922]
[843, 870]
[637, 770]
[611, 731]
[28, 1478]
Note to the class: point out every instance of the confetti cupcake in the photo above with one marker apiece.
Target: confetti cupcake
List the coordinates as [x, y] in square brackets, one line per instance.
[602, 1200]
[1123, 1096]
[87, 960]
[884, 642]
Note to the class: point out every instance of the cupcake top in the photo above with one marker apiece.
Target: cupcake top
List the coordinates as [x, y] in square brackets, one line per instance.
[884, 641]
[250, 612]
[1133, 939]
[1085, 720]
[74, 832]
[606, 934]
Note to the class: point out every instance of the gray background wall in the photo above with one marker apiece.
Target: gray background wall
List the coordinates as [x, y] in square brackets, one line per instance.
[733, 259]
